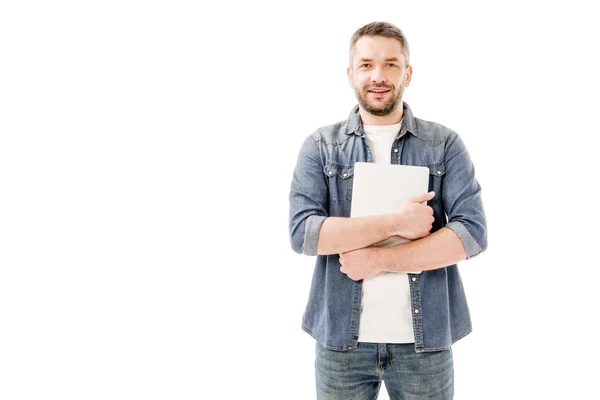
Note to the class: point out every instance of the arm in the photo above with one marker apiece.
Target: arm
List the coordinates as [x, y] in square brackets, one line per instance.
[309, 199]
[339, 234]
[313, 232]
[413, 221]
[464, 236]
[437, 250]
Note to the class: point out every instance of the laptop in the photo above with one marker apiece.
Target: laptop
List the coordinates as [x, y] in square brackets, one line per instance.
[382, 188]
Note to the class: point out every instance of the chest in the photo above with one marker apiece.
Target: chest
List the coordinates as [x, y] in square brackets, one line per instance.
[339, 160]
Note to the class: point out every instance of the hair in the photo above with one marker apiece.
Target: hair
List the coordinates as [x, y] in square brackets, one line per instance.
[380, 29]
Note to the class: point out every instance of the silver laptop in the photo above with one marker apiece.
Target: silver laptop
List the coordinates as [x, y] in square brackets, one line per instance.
[382, 188]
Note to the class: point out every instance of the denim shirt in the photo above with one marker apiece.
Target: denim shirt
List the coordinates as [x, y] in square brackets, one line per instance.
[322, 187]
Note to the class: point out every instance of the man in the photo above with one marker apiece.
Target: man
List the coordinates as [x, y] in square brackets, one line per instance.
[373, 325]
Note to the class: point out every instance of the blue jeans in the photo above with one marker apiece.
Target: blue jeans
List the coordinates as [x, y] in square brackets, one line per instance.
[357, 374]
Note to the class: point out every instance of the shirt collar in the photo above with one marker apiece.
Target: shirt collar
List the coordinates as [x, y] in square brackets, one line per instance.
[354, 124]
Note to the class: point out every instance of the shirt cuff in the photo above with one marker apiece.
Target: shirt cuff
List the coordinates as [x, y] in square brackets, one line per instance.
[472, 248]
[311, 234]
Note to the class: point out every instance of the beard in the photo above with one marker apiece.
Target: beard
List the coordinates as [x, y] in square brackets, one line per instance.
[380, 109]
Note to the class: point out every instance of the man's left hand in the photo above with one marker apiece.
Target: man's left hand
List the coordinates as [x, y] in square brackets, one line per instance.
[361, 263]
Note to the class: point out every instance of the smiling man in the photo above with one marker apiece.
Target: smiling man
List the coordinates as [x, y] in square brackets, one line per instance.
[381, 94]
[385, 314]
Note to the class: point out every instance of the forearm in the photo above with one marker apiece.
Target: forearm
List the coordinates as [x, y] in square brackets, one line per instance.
[437, 250]
[339, 234]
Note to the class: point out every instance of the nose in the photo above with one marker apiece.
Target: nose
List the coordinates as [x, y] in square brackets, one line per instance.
[377, 76]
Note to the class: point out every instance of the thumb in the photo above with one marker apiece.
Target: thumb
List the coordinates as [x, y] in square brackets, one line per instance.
[422, 197]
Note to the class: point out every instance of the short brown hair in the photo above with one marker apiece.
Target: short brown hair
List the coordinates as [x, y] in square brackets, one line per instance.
[381, 29]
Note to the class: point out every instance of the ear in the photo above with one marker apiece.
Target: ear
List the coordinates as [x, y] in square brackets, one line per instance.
[349, 73]
[408, 75]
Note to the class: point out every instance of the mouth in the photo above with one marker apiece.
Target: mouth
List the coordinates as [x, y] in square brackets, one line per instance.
[378, 92]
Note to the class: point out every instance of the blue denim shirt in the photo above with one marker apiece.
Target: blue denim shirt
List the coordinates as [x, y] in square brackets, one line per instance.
[322, 187]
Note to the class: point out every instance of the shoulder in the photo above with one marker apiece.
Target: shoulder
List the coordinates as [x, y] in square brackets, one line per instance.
[333, 134]
[433, 133]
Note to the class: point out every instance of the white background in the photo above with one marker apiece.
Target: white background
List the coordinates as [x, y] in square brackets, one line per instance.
[146, 153]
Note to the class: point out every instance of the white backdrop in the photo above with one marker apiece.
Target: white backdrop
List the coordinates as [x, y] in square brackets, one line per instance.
[146, 153]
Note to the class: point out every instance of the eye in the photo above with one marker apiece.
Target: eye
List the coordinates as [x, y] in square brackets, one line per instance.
[392, 65]
[365, 65]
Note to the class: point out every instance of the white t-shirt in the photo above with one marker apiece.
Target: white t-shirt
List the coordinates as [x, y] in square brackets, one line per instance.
[386, 310]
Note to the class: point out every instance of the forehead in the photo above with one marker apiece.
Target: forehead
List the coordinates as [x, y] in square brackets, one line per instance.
[377, 48]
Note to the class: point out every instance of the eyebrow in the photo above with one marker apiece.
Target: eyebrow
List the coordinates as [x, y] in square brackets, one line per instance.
[387, 59]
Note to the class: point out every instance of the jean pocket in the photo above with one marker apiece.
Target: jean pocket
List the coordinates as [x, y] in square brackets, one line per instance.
[340, 179]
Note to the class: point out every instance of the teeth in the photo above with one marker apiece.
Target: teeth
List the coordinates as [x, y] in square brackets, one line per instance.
[379, 91]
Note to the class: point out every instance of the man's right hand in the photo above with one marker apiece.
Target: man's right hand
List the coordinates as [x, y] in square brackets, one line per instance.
[415, 219]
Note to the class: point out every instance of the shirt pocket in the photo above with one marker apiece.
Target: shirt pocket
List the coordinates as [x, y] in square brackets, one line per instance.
[437, 171]
[340, 179]
[436, 179]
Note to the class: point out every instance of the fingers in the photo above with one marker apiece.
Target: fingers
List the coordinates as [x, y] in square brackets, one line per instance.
[422, 197]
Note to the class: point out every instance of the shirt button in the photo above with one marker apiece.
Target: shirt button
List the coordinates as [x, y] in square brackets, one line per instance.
[356, 309]
[416, 310]
[345, 175]
[414, 279]
[439, 172]
[395, 150]
[330, 172]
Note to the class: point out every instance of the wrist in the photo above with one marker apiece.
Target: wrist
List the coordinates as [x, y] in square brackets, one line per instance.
[386, 225]
[390, 258]
[397, 225]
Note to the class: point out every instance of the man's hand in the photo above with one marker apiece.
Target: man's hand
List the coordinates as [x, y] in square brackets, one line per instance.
[415, 219]
[361, 263]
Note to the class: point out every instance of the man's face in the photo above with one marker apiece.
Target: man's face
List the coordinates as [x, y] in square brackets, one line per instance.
[378, 74]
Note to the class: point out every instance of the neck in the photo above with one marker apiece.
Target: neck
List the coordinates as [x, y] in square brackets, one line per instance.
[390, 119]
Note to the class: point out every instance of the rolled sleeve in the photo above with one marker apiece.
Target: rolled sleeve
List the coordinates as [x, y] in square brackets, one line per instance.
[461, 197]
[472, 248]
[311, 234]
[308, 199]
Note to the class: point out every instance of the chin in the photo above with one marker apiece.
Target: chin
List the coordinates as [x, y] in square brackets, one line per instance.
[381, 108]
